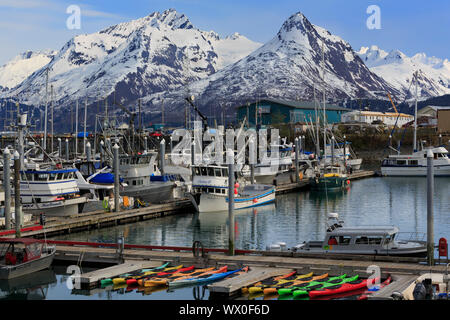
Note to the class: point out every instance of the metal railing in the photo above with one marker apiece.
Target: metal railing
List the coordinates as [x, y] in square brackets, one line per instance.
[411, 236]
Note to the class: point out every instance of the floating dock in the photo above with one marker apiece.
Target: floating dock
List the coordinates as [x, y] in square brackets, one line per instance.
[263, 264]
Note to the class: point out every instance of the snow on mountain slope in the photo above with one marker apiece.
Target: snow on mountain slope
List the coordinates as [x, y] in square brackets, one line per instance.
[22, 66]
[288, 67]
[152, 54]
[398, 69]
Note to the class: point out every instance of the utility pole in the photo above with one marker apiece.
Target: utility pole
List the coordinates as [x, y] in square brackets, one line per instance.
[51, 106]
[430, 218]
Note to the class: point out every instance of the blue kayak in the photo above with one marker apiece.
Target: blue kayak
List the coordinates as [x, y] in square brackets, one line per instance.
[205, 279]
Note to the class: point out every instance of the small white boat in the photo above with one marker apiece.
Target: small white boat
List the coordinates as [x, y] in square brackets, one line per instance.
[211, 184]
[415, 164]
[374, 240]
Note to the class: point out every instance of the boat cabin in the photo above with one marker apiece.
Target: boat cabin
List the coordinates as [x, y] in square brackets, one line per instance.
[360, 237]
[211, 179]
[19, 250]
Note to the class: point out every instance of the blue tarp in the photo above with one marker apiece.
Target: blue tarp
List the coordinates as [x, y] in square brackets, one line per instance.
[83, 134]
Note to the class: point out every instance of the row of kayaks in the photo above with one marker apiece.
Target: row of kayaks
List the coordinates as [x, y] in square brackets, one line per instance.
[173, 277]
[293, 285]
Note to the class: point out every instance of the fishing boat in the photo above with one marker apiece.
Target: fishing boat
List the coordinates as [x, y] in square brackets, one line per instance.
[22, 256]
[374, 240]
[266, 171]
[415, 164]
[329, 178]
[52, 191]
[211, 183]
[144, 180]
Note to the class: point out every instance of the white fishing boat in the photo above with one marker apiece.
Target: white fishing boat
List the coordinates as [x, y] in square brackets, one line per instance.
[415, 164]
[211, 184]
[350, 159]
[266, 171]
[51, 191]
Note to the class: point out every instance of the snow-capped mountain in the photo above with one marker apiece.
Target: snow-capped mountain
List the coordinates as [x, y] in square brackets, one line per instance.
[289, 67]
[22, 66]
[398, 69]
[155, 53]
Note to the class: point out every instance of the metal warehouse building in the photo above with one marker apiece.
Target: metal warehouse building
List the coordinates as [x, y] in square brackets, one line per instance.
[273, 111]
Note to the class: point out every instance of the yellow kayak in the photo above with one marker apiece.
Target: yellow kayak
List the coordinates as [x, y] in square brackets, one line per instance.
[123, 280]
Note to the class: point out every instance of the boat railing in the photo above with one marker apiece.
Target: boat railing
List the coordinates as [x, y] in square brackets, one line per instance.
[410, 236]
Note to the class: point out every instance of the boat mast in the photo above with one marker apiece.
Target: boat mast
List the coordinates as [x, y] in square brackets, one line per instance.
[84, 133]
[76, 129]
[324, 111]
[317, 125]
[415, 118]
[45, 113]
[51, 106]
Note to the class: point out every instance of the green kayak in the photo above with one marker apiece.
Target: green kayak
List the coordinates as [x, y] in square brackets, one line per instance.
[305, 290]
[290, 289]
[137, 273]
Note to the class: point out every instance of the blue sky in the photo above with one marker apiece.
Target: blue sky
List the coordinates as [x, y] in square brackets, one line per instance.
[410, 26]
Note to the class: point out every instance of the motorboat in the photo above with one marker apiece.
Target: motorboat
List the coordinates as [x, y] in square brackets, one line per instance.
[22, 256]
[211, 184]
[415, 164]
[329, 179]
[373, 240]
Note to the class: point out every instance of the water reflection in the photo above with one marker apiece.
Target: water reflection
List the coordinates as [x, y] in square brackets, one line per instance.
[29, 287]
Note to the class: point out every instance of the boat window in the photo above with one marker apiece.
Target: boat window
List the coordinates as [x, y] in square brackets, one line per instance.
[413, 162]
[197, 171]
[52, 176]
[218, 172]
[211, 172]
[29, 176]
[344, 240]
[210, 190]
[401, 162]
[223, 191]
[224, 172]
[204, 190]
[59, 176]
[134, 182]
[203, 171]
[362, 240]
[41, 177]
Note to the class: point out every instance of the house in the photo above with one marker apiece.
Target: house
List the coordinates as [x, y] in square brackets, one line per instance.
[388, 118]
[274, 111]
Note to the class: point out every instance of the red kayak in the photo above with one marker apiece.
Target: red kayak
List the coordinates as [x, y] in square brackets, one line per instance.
[367, 293]
[341, 288]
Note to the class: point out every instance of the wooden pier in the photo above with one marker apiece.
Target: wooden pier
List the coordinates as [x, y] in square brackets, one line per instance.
[100, 219]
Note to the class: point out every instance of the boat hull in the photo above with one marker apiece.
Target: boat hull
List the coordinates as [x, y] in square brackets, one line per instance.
[215, 202]
[414, 171]
[58, 208]
[327, 183]
[10, 272]
[156, 193]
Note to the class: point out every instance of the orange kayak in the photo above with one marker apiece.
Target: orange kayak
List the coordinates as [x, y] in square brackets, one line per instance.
[275, 279]
[288, 283]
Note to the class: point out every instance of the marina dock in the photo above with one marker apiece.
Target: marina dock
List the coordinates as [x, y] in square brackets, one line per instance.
[263, 264]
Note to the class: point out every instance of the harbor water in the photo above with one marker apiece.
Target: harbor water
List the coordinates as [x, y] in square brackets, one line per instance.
[293, 218]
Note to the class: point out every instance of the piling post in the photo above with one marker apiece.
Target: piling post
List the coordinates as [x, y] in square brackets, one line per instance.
[345, 152]
[297, 147]
[440, 139]
[88, 151]
[7, 186]
[192, 158]
[162, 155]
[102, 152]
[430, 218]
[116, 177]
[252, 172]
[332, 150]
[17, 204]
[230, 156]
[67, 150]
